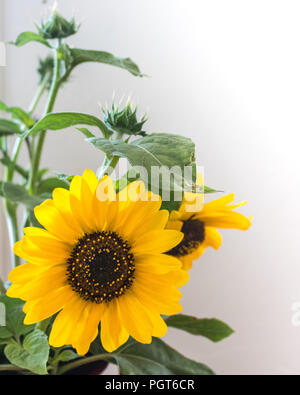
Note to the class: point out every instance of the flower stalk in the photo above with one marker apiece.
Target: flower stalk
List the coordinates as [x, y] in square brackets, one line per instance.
[10, 209]
[49, 107]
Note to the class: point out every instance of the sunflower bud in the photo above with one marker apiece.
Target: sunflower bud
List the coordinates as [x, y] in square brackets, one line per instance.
[57, 27]
[124, 121]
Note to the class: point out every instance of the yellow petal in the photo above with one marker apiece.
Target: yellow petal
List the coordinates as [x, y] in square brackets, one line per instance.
[87, 327]
[158, 264]
[157, 241]
[45, 246]
[61, 200]
[212, 238]
[159, 326]
[52, 220]
[230, 220]
[135, 319]
[91, 179]
[153, 301]
[133, 192]
[65, 323]
[155, 222]
[159, 284]
[81, 203]
[175, 225]
[219, 203]
[49, 280]
[105, 190]
[45, 307]
[24, 273]
[187, 262]
[113, 334]
[138, 217]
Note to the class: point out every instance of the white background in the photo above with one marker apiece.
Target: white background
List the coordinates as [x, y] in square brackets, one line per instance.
[225, 73]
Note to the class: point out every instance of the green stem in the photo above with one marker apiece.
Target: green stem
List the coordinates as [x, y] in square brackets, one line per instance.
[39, 93]
[49, 107]
[15, 154]
[108, 165]
[11, 368]
[2, 287]
[19, 140]
[83, 361]
[10, 210]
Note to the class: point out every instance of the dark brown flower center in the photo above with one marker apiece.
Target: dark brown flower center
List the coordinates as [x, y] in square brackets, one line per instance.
[194, 234]
[101, 267]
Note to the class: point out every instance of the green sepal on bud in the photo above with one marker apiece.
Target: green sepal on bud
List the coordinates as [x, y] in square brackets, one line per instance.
[124, 121]
[57, 27]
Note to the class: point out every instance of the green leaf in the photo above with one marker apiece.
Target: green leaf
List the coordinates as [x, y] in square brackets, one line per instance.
[18, 194]
[32, 355]
[210, 190]
[86, 132]
[33, 221]
[212, 329]
[5, 341]
[170, 205]
[42, 173]
[66, 356]
[58, 121]
[47, 185]
[161, 150]
[27, 37]
[6, 161]
[18, 114]
[122, 182]
[157, 358]
[82, 55]
[4, 334]
[65, 177]
[8, 127]
[14, 318]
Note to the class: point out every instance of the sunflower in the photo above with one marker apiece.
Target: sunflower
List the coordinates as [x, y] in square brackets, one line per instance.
[99, 259]
[199, 226]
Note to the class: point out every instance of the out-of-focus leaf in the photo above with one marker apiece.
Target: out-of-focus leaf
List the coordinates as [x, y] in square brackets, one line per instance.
[59, 121]
[83, 55]
[27, 37]
[18, 114]
[18, 194]
[65, 177]
[8, 127]
[47, 185]
[6, 161]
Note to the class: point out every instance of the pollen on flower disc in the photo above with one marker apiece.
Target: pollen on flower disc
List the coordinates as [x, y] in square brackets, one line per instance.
[101, 267]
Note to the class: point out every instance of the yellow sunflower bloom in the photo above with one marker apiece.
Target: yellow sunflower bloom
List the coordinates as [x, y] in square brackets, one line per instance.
[99, 258]
[199, 227]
